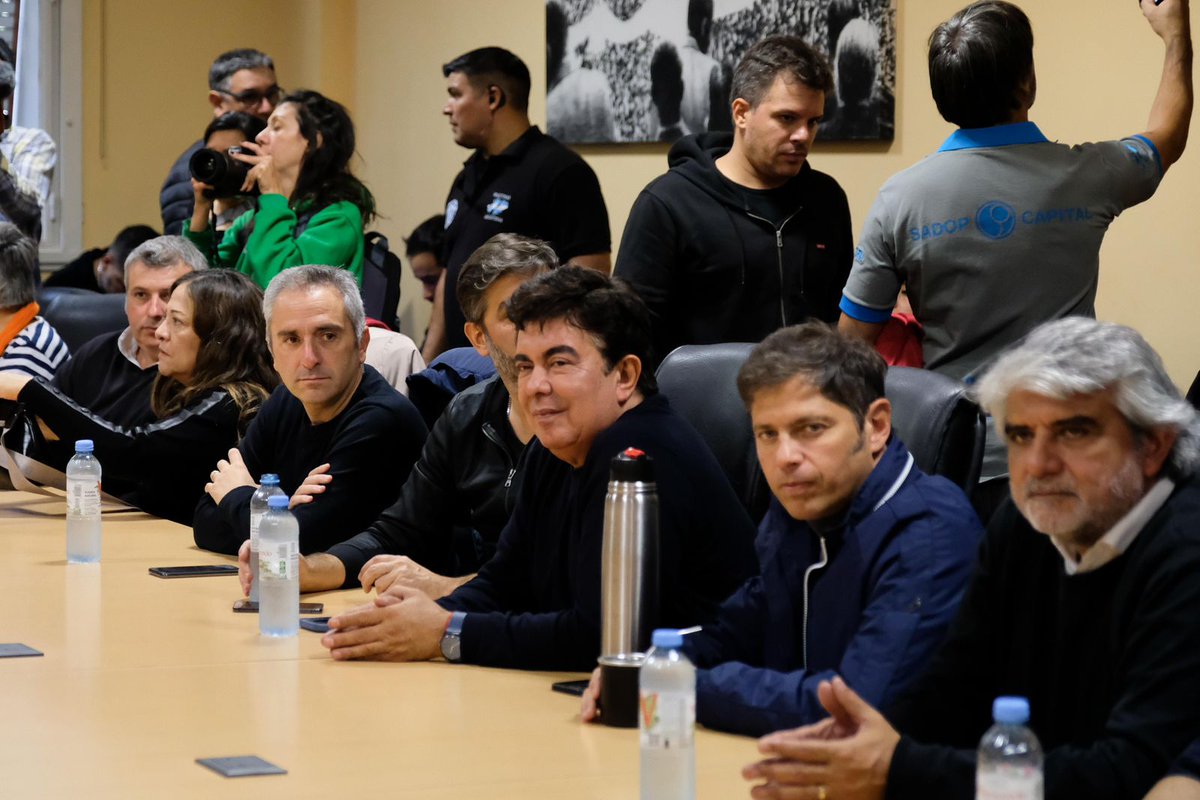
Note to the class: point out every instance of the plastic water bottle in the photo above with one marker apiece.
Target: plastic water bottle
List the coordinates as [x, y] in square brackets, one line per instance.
[667, 720]
[83, 505]
[279, 570]
[268, 486]
[1010, 758]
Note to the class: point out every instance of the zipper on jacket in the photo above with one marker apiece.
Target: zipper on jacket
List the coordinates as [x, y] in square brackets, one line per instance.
[807, 574]
[494, 437]
[779, 260]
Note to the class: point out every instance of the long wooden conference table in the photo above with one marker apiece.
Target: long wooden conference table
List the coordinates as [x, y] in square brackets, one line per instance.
[141, 676]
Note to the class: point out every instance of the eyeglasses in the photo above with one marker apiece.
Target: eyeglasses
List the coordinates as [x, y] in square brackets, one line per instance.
[252, 98]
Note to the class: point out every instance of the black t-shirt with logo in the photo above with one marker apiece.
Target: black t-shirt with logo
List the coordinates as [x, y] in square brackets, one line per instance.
[536, 187]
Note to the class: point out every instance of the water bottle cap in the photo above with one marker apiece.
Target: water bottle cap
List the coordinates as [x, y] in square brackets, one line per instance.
[667, 637]
[632, 465]
[1011, 710]
[277, 502]
[84, 446]
[269, 479]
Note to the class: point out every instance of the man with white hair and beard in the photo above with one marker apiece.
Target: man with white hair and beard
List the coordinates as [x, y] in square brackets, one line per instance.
[1084, 598]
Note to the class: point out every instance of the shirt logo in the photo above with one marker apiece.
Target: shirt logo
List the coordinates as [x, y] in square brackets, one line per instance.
[996, 219]
[859, 255]
[451, 212]
[1136, 155]
[496, 208]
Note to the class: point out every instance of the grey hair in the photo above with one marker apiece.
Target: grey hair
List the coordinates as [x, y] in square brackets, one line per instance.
[226, 64]
[18, 260]
[503, 254]
[166, 251]
[1078, 355]
[311, 276]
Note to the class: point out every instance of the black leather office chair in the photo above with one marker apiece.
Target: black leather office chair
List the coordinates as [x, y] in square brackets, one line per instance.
[701, 383]
[79, 315]
[942, 427]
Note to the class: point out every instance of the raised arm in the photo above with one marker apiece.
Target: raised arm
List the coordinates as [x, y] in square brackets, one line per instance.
[1172, 110]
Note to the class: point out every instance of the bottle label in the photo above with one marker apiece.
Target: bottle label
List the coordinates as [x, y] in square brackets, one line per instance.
[668, 719]
[83, 497]
[255, 521]
[279, 560]
[1008, 783]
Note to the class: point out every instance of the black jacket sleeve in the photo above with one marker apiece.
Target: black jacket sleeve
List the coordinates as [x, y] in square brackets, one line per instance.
[647, 261]
[420, 523]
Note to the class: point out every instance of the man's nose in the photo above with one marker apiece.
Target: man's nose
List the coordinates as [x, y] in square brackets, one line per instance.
[158, 309]
[1041, 457]
[309, 356]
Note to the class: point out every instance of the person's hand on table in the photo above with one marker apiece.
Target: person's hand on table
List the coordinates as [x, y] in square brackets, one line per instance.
[589, 705]
[229, 475]
[314, 484]
[245, 576]
[843, 757]
[383, 572]
[403, 625]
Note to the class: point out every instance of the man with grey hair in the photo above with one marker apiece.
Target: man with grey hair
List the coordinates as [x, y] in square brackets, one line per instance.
[28, 343]
[238, 80]
[112, 374]
[447, 520]
[1083, 600]
[742, 236]
[339, 437]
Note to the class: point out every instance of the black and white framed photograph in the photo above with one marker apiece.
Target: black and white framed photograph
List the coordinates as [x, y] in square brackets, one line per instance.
[656, 70]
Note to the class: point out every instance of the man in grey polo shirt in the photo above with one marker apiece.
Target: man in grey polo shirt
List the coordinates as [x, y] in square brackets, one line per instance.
[1000, 230]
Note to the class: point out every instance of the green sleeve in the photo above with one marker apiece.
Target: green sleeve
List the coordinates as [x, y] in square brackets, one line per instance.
[334, 236]
[227, 251]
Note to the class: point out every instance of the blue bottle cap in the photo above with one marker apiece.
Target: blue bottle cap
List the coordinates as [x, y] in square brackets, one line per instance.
[1010, 710]
[667, 637]
[269, 479]
[84, 446]
[277, 502]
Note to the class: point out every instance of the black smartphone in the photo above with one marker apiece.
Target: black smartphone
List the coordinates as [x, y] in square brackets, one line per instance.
[576, 688]
[195, 571]
[315, 624]
[245, 606]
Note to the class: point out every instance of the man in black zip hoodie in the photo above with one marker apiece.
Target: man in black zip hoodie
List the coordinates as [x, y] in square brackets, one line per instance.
[742, 236]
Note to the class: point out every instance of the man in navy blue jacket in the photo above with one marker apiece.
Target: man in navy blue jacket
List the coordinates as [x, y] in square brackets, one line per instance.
[863, 556]
[582, 340]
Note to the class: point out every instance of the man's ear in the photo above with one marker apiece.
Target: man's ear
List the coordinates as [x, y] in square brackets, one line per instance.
[629, 371]
[1155, 448]
[878, 425]
[217, 101]
[476, 336]
[362, 346]
[740, 108]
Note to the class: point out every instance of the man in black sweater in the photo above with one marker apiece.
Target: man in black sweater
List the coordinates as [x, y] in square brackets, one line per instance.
[341, 439]
[582, 339]
[1084, 597]
[460, 494]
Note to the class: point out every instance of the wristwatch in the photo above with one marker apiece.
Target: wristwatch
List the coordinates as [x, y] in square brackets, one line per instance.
[452, 638]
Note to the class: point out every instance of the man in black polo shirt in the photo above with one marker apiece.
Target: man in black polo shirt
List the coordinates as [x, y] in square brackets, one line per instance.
[341, 439]
[518, 181]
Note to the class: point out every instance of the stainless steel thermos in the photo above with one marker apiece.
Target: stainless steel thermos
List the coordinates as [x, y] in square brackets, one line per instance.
[628, 583]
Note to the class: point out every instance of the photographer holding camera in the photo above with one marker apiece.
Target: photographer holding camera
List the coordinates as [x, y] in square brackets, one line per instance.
[213, 165]
[310, 210]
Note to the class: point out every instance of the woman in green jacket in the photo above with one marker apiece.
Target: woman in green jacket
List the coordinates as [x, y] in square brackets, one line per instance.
[311, 208]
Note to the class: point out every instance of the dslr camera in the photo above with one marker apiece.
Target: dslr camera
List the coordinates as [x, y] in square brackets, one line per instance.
[224, 173]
